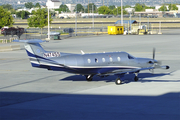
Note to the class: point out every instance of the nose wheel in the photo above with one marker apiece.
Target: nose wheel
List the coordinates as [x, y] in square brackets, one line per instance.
[89, 77]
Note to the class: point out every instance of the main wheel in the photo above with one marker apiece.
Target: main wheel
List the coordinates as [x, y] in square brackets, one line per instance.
[136, 78]
[89, 78]
[118, 81]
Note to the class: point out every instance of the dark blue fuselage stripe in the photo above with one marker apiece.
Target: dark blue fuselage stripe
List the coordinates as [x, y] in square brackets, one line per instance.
[36, 56]
[79, 70]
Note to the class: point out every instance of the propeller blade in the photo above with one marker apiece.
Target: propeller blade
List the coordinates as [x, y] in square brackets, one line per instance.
[154, 50]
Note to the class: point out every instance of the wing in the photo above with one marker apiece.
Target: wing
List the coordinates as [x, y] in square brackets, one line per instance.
[126, 71]
[131, 71]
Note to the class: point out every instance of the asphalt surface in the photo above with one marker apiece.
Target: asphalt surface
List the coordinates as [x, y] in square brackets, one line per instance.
[28, 93]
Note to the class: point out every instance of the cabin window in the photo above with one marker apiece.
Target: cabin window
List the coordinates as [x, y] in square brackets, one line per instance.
[96, 60]
[103, 59]
[118, 58]
[89, 60]
[110, 59]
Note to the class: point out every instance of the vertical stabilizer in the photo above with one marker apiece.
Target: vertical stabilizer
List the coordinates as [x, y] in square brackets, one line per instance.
[34, 50]
[35, 53]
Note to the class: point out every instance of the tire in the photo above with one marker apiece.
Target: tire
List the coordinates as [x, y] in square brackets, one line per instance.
[136, 78]
[118, 81]
[89, 78]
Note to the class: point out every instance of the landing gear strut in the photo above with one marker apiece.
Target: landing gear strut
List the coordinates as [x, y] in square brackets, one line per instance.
[118, 81]
[136, 77]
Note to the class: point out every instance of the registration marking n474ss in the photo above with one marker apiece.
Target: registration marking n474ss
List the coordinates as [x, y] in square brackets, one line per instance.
[51, 54]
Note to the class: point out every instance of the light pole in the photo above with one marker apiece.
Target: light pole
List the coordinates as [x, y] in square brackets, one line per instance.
[93, 16]
[140, 19]
[48, 21]
[76, 20]
[88, 8]
[121, 13]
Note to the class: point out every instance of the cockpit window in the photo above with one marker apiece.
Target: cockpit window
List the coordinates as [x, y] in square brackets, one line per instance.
[130, 56]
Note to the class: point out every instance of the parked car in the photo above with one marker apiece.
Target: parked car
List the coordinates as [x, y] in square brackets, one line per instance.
[68, 30]
[61, 17]
[12, 31]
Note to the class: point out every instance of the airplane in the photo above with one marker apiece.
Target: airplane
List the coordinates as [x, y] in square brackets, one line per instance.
[89, 65]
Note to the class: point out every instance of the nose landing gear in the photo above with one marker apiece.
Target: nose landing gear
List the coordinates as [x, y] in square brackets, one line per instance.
[89, 77]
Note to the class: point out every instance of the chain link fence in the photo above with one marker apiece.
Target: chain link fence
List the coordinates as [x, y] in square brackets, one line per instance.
[37, 33]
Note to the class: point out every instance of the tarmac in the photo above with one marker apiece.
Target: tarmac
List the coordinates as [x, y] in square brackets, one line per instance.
[28, 93]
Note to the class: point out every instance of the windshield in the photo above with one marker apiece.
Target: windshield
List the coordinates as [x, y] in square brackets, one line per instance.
[130, 56]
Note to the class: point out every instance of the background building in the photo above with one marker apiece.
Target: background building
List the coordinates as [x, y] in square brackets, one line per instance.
[71, 7]
[53, 4]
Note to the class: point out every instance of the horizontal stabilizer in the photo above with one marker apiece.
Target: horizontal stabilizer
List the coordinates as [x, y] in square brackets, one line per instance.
[31, 41]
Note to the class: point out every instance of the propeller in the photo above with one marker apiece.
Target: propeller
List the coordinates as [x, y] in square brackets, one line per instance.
[154, 50]
[155, 62]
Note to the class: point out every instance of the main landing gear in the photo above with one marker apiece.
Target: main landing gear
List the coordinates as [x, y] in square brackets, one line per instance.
[118, 81]
[136, 77]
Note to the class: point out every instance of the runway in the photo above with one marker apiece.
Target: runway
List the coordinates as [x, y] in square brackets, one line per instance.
[28, 93]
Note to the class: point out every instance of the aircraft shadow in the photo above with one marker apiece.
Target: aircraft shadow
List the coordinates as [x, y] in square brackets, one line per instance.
[61, 106]
[127, 78]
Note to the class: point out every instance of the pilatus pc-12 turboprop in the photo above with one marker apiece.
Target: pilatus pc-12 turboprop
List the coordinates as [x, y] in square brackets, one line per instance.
[89, 65]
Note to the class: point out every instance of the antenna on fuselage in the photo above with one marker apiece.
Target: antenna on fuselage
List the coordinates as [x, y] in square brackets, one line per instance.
[82, 52]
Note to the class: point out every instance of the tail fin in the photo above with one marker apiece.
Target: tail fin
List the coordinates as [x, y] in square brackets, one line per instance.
[34, 51]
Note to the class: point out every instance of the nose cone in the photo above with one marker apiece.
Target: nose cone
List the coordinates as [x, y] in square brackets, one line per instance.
[155, 61]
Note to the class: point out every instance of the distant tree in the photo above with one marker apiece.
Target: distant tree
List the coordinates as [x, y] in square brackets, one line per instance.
[39, 19]
[91, 5]
[140, 7]
[13, 11]
[7, 6]
[104, 10]
[117, 11]
[22, 14]
[29, 5]
[79, 8]
[37, 5]
[146, 7]
[163, 8]
[173, 7]
[19, 7]
[6, 18]
[127, 6]
[63, 8]
[111, 7]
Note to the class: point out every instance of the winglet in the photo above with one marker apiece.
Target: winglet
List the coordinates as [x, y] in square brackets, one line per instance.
[82, 52]
[31, 41]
